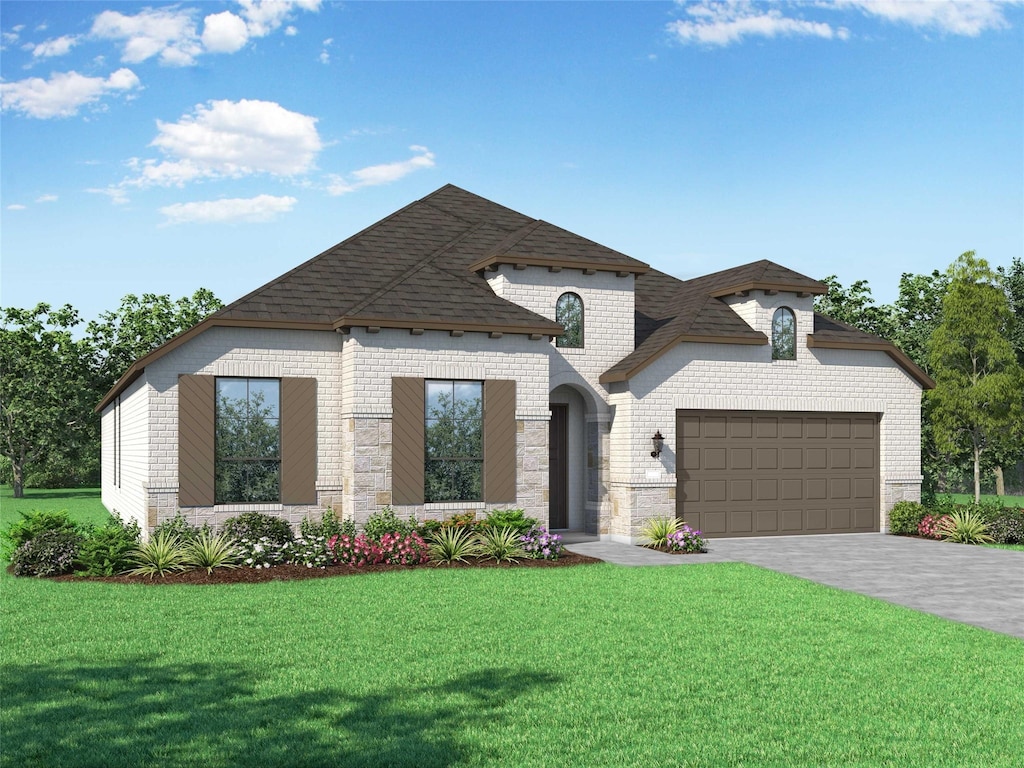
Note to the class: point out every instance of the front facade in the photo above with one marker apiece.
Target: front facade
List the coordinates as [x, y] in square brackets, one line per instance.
[458, 356]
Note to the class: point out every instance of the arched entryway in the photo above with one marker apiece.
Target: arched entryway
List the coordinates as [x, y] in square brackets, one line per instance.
[570, 482]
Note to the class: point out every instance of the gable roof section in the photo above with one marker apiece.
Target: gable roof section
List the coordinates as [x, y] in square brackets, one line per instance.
[671, 311]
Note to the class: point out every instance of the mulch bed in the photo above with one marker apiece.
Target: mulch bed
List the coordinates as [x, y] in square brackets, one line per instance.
[296, 572]
[668, 552]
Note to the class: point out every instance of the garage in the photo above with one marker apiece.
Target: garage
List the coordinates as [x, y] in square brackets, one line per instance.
[777, 473]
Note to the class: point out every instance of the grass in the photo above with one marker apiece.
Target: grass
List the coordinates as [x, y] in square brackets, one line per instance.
[1014, 547]
[968, 498]
[720, 664]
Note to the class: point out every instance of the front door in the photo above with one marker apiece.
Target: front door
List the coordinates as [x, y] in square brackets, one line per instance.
[558, 482]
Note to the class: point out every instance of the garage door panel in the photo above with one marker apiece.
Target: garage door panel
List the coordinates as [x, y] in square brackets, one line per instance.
[767, 521]
[741, 490]
[746, 473]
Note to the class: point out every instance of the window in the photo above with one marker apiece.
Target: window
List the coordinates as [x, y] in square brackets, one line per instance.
[784, 334]
[453, 455]
[247, 466]
[569, 314]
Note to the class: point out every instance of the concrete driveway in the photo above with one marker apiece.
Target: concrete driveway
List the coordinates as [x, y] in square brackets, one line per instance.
[975, 585]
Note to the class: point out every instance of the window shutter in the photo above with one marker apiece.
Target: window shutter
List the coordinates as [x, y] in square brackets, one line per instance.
[195, 440]
[298, 441]
[407, 441]
[499, 441]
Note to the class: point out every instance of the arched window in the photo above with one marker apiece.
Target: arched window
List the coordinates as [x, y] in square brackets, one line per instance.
[783, 334]
[569, 314]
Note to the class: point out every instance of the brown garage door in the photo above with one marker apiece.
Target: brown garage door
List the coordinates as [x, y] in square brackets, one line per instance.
[773, 473]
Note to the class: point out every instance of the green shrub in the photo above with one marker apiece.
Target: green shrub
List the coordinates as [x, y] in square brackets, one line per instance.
[964, 527]
[656, 530]
[181, 529]
[461, 520]
[386, 521]
[905, 516]
[1008, 527]
[161, 555]
[257, 525]
[450, 544]
[327, 526]
[508, 518]
[33, 524]
[107, 551]
[49, 553]
[210, 550]
[500, 543]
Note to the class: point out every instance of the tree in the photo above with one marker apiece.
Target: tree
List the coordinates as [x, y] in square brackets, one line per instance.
[977, 401]
[139, 326]
[45, 394]
[917, 313]
[1013, 284]
[856, 307]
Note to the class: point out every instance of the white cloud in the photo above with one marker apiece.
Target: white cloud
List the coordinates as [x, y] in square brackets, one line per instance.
[225, 139]
[956, 17]
[63, 94]
[58, 46]
[265, 16]
[9, 38]
[260, 208]
[324, 57]
[376, 175]
[291, 31]
[171, 34]
[16, 207]
[117, 195]
[224, 33]
[723, 23]
[46, 199]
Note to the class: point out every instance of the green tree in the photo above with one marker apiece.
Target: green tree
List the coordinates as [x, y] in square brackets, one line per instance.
[855, 306]
[1013, 283]
[139, 326]
[977, 401]
[917, 312]
[46, 392]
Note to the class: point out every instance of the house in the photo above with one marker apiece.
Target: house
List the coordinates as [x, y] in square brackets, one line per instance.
[458, 355]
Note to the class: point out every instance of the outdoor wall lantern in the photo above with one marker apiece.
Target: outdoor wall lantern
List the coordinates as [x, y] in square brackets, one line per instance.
[659, 443]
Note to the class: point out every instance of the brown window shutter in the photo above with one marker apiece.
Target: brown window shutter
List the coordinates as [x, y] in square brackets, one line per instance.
[195, 440]
[499, 442]
[407, 441]
[298, 441]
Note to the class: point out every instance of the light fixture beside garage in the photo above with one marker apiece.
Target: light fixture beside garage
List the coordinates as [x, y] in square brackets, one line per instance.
[658, 441]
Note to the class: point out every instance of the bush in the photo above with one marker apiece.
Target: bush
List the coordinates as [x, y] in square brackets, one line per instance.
[33, 524]
[254, 526]
[686, 539]
[905, 516]
[403, 549]
[263, 552]
[500, 543]
[209, 551]
[49, 553]
[508, 518]
[963, 527]
[386, 521]
[461, 520]
[453, 543]
[181, 529]
[541, 545]
[161, 555]
[1008, 527]
[313, 551]
[327, 526]
[929, 526]
[355, 550]
[656, 530]
[107, 551]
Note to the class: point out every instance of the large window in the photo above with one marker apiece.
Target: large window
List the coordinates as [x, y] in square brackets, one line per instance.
[454, 456]
[569, 314]
[248, 441]
[783, 334]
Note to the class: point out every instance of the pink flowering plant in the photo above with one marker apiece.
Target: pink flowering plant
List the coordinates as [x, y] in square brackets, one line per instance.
[929, 527]
[394, 548]
[539, 544]
[403, 549]
[686, 539]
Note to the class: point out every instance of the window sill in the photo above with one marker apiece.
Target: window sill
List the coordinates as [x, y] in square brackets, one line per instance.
[273, 506]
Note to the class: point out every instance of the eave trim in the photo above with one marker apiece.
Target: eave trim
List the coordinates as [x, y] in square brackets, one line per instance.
[535, 261]
[911, 368]
[609, 377]
[765, 285]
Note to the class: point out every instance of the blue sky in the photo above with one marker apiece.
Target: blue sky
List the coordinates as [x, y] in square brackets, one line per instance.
[162, 148]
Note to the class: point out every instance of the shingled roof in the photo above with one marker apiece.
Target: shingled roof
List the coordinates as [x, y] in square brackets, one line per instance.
[423, 267]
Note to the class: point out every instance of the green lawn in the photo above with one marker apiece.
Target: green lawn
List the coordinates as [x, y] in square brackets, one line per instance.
[968, 498]
[83, 504]
[722, 664]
